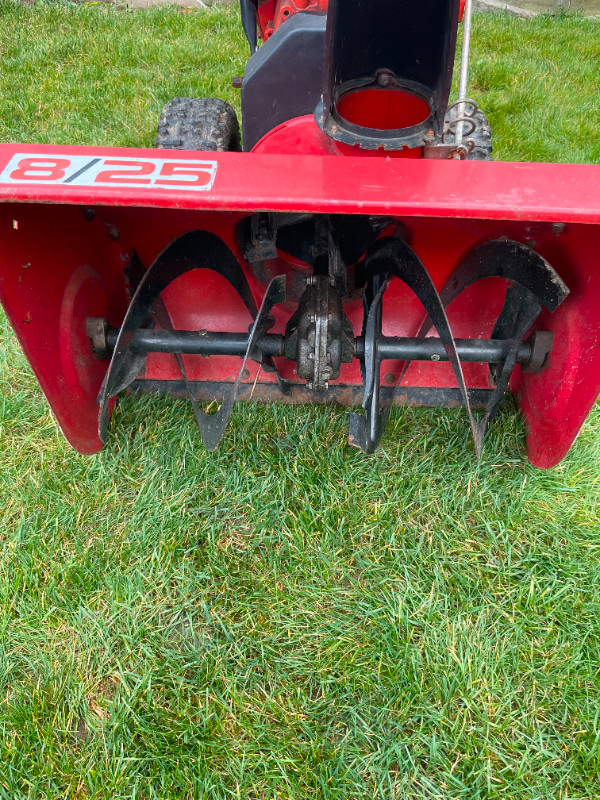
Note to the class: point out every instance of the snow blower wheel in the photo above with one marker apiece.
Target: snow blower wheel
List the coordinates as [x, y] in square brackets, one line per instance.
[188, 123]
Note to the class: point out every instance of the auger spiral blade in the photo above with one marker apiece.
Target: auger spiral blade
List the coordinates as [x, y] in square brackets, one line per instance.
[533, 284]
[365, 430]
[193, 250]
[212, 426]
[393, 257]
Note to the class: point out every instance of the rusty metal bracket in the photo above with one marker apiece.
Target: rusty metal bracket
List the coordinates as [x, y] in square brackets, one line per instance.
[444, 151]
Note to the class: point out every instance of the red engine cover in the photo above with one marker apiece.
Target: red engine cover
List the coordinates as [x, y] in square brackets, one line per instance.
[272, 13]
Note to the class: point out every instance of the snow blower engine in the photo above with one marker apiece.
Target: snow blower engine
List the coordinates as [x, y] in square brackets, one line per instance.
[360, 247]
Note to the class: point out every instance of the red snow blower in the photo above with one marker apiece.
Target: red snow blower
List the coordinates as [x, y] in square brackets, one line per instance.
[362, 249]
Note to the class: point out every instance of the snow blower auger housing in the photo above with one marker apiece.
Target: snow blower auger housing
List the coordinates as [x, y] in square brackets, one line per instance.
[364, 249]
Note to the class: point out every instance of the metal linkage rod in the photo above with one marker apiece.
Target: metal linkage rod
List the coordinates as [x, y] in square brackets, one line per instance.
[464, 68]
[492, 351]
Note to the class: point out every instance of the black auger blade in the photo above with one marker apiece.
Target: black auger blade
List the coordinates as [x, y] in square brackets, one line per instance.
[533, 284]
[194, 250]
[393, 257]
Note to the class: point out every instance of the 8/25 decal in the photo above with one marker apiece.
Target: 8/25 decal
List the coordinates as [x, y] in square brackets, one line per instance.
[152, 173]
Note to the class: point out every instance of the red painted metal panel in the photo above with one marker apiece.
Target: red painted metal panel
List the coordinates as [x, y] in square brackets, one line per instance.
[328, 184]
[55, 271]
[555, 403]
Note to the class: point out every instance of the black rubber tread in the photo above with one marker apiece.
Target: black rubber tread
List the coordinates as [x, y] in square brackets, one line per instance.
[189, 123]
[482, 136]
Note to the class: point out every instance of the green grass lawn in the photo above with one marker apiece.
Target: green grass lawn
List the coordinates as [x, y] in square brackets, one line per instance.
[287, 618]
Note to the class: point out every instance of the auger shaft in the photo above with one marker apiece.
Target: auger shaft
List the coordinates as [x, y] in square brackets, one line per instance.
[397, 348]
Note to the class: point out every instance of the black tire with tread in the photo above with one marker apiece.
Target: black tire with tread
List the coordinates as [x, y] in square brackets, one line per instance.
[189, 123]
